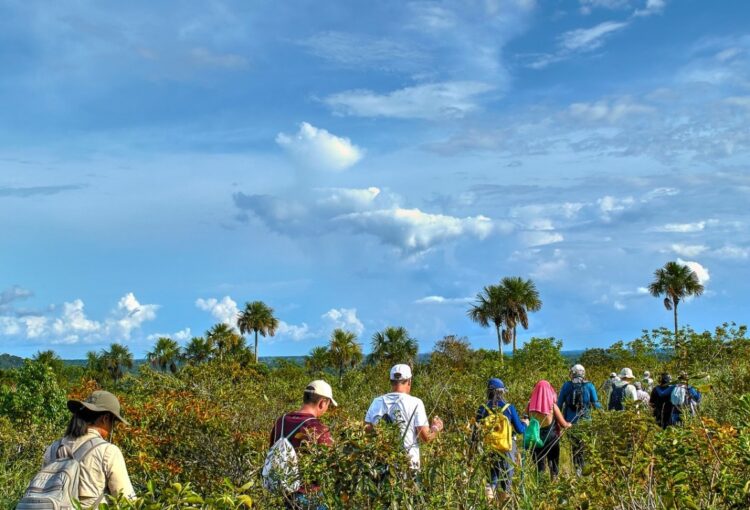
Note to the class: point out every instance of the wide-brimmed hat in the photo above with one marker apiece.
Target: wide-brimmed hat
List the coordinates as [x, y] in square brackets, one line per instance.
[626, 373]
[100, 401]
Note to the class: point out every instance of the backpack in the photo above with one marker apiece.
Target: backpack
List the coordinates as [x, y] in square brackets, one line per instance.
[682, 399]
[532, 437]
[280, 472]
[498, 432]
[617, 398]
[56, 485]
[575, 398]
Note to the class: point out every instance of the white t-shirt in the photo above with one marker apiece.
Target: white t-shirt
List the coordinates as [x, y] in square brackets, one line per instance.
[404, 410]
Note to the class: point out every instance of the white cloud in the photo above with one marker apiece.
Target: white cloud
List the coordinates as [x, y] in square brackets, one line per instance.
[130, 315]
[587, 39]
[293, 332]
[225, 311]
[428, 101]
[549, 270]
[652, 7]
[698, 226]
[440, 300]
[344, 318]
[413, 230]
[72, 325]
[178, 336]
[348, 199]
[730, 251]
[700, 271]
[360, 51]
[540, 237]
[610, 206]
[319, 149]
[14, 293]
[689, 250]
[608, 111]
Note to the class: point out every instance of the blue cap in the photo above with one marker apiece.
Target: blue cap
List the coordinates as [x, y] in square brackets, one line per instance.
[495, 384]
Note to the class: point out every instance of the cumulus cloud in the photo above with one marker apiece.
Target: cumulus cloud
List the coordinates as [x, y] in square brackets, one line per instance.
[427, 101]
[224, 310]
[413, 230]
[344, 318]
[319, 149]
[72, 325]
[366, 211]
[549, 270]
[610, 206]
[700, 271]
[293, 332]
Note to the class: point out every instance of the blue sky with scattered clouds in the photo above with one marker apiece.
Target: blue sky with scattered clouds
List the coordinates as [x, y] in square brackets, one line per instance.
[363, 164]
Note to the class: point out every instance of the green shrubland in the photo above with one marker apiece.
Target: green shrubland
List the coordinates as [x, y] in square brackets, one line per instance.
[198, 436]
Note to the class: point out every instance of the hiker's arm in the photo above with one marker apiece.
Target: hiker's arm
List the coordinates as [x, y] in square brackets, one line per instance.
[518, 425]
[563, 395]
[594, 397]
[559, 417]
[118, 481]
[427, 434]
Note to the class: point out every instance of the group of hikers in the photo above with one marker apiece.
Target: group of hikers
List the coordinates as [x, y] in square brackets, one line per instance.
[84, 466]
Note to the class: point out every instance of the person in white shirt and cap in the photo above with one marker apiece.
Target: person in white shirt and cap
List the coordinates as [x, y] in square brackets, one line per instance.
[622, 390]
[406, 411]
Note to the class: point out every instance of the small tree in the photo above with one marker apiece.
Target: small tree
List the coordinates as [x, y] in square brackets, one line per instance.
[116, 361]
[318, 359]
[488, 309]
[344, 351]
[165, 355]
[676, 282]
[453, 350]
[394, 345]
[257, 317]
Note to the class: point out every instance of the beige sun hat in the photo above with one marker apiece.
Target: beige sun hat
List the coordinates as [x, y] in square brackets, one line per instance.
[627, 374]
[99, 401]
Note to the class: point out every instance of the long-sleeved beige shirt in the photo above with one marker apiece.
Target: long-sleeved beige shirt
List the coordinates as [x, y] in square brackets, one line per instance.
[103, 469]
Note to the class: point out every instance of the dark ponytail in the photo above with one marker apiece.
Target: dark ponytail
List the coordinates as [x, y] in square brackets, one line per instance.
[81, 421]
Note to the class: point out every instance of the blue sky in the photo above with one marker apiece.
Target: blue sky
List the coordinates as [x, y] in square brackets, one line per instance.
[363, 164]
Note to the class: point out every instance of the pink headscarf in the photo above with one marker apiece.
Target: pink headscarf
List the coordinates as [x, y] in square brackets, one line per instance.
[543, 398]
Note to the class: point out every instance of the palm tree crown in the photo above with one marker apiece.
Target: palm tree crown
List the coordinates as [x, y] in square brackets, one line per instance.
[199, 350]
[344, 351]
[488, 309]
[166, 353]
[116, 360]
[224, 339]
[676, 282]
[394, 345]
[257, 317]
[518, 297]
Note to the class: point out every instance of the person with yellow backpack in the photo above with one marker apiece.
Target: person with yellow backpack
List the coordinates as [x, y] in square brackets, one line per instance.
[497, 421]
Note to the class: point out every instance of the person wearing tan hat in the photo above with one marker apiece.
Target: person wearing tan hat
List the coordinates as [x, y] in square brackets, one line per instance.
[622, 390]
[302, 426]
[103, 469]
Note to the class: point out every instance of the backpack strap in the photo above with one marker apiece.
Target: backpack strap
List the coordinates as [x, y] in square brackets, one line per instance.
[296, 428]
[82, 451]
[506, 406]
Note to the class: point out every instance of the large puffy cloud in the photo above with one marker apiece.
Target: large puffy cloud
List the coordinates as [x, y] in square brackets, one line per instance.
[344, 318]
[366, 211]
[426, 101]
[72, 325]
[224, 310]
[319, 149]
[413, 230]
[700, 271]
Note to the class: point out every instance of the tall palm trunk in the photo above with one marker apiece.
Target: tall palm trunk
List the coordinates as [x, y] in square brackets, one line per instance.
[256, 347]
[514, 339]
[678, 345]
[341, 372]
[500, 343]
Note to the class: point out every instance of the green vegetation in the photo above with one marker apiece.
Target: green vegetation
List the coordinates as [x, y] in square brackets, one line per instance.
[201, 418]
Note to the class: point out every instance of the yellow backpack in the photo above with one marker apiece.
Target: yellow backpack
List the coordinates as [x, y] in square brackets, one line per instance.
[497, 430]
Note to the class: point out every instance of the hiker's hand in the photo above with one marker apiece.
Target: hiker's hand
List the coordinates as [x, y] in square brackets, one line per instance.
[525, 421]
[567, 425]
[437, 424]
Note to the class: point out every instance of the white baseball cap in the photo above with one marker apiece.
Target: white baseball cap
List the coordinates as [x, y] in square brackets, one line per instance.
[400, 372]
[323, 389]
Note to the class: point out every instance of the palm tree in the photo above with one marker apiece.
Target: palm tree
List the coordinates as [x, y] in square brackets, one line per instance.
[676, 282]
[488, 309]
[116, 360]
[258, 318]
[199, 350]
[51, 359]
[518, 297]
[225, 338]
[166, 353]
[318, 359]
[344, 351]
[394, 345]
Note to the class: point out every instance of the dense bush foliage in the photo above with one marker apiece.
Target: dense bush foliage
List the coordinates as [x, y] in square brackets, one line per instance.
[198, 437]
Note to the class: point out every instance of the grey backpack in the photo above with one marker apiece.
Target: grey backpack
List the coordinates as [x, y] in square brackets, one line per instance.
[55, 486]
